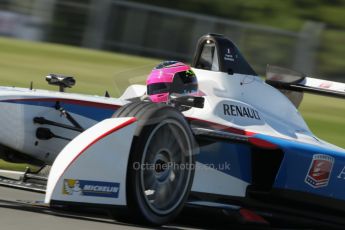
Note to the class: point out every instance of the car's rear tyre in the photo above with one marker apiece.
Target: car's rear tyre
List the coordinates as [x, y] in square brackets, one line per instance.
[161, 163]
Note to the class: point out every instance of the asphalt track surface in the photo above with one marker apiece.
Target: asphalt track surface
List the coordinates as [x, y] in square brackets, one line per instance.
[18, 212]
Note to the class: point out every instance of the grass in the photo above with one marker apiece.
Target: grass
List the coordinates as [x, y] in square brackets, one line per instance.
[17, 167]
[330, 56]
[325, 116]
[22, 62]
[98, 71]
[95, 71]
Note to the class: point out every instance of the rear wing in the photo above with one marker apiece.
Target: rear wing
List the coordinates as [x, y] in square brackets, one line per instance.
[290, 80]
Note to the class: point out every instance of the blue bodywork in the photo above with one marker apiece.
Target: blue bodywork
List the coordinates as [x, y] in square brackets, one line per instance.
[293, 174]
[230, 158]
[93, 111]
[235, 159]
[296, 166]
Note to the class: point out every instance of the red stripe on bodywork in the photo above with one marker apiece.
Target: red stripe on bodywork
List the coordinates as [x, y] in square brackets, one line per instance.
[122, 125]
[262, 143]
[222, 127]
[251, 139]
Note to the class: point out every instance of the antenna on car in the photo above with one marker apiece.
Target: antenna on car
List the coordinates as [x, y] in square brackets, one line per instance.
[31, 85]
[61, 81]
[106, 94]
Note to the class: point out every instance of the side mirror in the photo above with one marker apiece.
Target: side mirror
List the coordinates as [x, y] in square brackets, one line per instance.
[61, 81]
[187, 101]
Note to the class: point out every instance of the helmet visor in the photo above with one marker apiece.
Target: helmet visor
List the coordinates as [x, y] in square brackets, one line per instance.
[185, 82]
[158, 88]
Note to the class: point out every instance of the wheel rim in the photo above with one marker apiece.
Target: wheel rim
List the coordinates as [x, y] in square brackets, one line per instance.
[167, 162]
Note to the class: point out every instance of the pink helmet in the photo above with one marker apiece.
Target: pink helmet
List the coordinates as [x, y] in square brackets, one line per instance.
[170, 77]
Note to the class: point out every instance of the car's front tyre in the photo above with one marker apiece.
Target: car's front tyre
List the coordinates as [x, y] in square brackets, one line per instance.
[161, 164]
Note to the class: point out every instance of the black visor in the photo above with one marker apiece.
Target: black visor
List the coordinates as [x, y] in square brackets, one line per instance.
[184, 83]
[157, 88]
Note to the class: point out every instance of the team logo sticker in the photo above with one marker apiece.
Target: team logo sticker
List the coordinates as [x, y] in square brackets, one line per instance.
[320, 170]
[73, 187]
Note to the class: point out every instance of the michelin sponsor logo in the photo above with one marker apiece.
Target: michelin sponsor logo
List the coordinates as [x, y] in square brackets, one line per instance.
[73, 187]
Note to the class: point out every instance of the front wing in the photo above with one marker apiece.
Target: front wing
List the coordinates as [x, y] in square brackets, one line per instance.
[92, 167]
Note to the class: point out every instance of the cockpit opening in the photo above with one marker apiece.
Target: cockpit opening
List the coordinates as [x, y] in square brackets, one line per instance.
[215, 52]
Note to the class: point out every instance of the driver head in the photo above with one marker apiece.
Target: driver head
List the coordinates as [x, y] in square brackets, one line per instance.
[170, 77]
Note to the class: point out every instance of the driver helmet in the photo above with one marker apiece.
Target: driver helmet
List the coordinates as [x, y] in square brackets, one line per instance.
[170, 77]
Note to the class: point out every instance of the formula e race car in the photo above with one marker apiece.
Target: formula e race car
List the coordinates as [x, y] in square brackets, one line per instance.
[240, 144]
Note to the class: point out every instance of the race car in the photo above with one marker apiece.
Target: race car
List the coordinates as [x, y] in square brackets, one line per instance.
[239, 144]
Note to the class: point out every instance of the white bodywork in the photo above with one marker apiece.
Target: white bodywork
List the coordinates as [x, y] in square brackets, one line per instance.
[221, 185]
[105, 160]
[98, 155]
[18, 129]
[278, 117]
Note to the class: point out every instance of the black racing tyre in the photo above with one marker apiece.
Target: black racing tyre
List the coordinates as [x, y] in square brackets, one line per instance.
[161, 162]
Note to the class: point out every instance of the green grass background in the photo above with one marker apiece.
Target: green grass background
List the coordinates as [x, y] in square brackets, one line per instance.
[96, 71]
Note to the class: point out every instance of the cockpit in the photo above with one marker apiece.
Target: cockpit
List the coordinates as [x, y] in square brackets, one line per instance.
[217, 53]
[208, 59]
